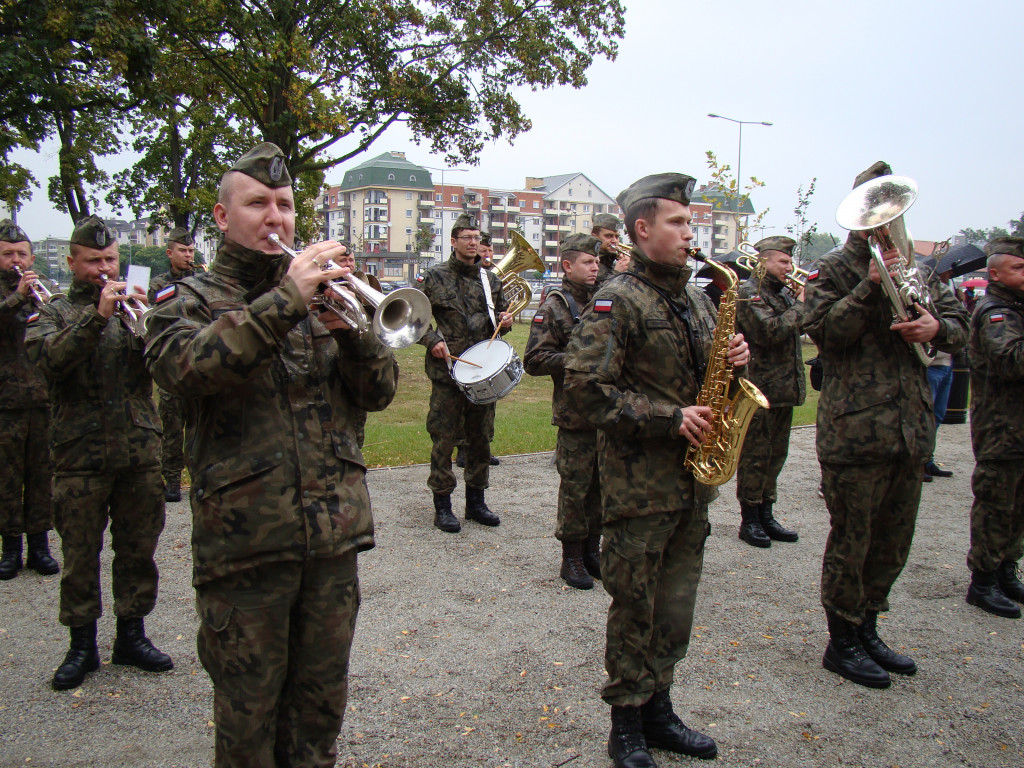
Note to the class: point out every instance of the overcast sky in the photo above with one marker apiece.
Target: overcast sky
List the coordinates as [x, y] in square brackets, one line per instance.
[929, 86]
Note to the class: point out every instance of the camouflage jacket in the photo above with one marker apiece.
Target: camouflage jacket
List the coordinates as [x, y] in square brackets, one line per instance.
[770, 318]
[875, 400]
[545, 351]
[269, 398]
[606, 268]
[631, 367]
[162, 281]
[996, 355]
[22, 384]
[460, 310]
[102, 412]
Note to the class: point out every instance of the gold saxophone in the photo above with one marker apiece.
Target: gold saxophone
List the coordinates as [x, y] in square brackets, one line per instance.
[716, 460]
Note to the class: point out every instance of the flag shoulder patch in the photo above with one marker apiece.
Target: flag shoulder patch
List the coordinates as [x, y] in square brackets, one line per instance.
[603, 305]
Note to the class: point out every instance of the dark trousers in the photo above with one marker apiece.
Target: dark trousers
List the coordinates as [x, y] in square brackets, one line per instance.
[764, 454]
[26, 482]
[451, 415]
[579, 492]
[997, 515]
[172, 418]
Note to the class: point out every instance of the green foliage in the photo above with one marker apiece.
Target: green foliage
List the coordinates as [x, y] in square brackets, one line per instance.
[727, 188]
[803, 230]
[424, 238]
[152, 256]
[818, 244]
[982, 236]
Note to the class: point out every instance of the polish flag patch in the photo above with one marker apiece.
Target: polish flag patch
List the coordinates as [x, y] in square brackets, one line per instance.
[538, 318]
[32, 318]
[419, 278]
[166, 293]
[755, 298]
[603, 305]
[813, 275]
[996, 318]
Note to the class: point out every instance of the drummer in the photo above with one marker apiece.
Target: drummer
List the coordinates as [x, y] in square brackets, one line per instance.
[468, 307]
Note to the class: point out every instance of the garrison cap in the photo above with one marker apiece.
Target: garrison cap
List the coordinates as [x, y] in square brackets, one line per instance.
[879, 168]
[485, 238]
[12, 233]
[578, 241]
[1011, 245]
[465, 221]
[776, 243]
[93, 232]
[607, 221]
[180, 235]
[265, 163]
[669, 186]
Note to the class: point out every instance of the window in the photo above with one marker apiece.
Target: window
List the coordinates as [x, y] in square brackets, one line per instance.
[412, 177]
[536, 222]
[437, 199]
[391, 177]
[455, 198]
[536, 204]
[408, 195]
[408, 213]
[536, 235]
[586, 209]
[570, 191]
[586, 224]
[590, 193]
[572, 206]
[522, 203]
[408, 230]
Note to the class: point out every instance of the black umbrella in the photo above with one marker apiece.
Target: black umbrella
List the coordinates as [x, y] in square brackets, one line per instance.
[961, 260]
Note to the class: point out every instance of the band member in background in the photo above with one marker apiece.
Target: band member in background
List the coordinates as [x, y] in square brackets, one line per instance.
[280, 505]
[579, 493]
[486, 250]
[875, 432]
[181, 253]
[770, 316]
[635, 366]
[105, 444]
[606, 229]
[26, 504]
[464, 314]
[997, 433]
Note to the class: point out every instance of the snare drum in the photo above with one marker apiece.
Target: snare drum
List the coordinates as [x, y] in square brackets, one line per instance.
[499, 372]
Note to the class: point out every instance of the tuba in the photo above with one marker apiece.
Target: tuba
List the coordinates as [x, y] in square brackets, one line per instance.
[520, 257]
[877, 206]
[717, 458]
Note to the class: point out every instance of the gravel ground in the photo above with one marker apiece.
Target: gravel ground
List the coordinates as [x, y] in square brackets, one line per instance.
[471, 652]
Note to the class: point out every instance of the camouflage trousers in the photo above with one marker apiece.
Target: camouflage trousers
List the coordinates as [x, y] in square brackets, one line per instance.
[764, 453]
[997, 516]
[134, 504]
[873, 509]
[359, 426]
[651, 567]
[275, 640]
[26, 503]
[172, 416]
[451, 415]
[579, 493]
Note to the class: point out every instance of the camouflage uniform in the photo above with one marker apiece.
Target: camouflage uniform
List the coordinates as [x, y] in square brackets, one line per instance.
[579, 501]
[769, 318]
[279, 498]
[606, 270]
[461, 319]
[875, 426]
[104, 441]
[631, 366]
[997, 429]
[25, 489]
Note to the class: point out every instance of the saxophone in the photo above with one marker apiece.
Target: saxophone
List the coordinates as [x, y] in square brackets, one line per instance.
[715, 461]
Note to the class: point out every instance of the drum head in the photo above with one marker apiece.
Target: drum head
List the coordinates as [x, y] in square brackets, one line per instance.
[491, 356]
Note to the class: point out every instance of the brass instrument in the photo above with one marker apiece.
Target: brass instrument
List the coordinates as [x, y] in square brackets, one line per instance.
[877, 207]
[40, 293]
[715, 461]
[521, 256]
[399, 319]
[131, 312]
[751, 260]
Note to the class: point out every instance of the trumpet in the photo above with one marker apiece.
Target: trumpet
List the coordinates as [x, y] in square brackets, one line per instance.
[399, 319]
[751, 260]
[625, 251]
[131, 312]
[40, 293]
[198, 263]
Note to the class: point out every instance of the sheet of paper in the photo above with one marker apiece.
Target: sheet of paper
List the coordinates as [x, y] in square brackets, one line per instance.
[138, 279]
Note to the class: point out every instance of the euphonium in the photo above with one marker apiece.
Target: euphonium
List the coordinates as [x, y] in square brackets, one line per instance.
[521, 256]
[715, 461]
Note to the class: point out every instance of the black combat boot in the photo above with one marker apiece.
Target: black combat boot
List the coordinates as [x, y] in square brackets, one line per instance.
[931, 468]
[494, 461]
[986, 594]
[1008, 581]
[663, 729]
[460, 457]
[39, 558]
[443, 517]
[592, 556]
[772, 527]
[172, 487]
[750, 526]
[573, 570]
[83, 657]
[132, 647]
[883, 655]
[476, 508]
[10, 562]
[626, 745]
[846, 656]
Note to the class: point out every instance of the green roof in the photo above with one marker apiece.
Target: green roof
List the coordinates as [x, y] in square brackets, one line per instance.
[715, 196]
[388, 170]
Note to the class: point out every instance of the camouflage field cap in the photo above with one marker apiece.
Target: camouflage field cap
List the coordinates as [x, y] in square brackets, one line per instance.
[465, 221]
[485, 238]
[578, 241]
[776, 243]
[1006, 244]
[12, 233]
[668, 186]
[93, 232]
[181, 236]
[265, 163]
[879, 168]
[607, 221]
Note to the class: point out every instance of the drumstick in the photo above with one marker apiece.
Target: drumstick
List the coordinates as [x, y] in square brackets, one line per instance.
[493, 336]
[464, 360]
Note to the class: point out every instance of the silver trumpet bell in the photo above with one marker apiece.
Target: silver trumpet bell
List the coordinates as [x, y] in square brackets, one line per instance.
[400, 318]
[40, 293]
[132, 312]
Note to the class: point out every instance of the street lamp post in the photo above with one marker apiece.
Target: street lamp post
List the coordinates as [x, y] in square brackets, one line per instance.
[739, 159]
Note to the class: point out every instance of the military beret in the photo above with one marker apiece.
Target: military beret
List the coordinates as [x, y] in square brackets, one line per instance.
[880, 168]
[12, 233]
[93, 232]
[607, 221]
[181, 236]
[465, 221]
[578, 241]
[669, 186]
[1011, 245]
[265, 163]
[776, 243]
[485, 238]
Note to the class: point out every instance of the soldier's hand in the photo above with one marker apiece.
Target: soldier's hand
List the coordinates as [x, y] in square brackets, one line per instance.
[28, 279]
[306, 272]
[920, 330]
[801, 293]
[696, 424]
[622, 264]
[440, 350]
[109, 297]
[891, 259]
[505, 319]
[332, 322]
[739, 351]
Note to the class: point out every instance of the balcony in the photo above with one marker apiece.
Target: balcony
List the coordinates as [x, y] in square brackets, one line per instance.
[473, 205]
[550, 243]
[425, 203]
[553, 212]
[426, 220]
[551, 227]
